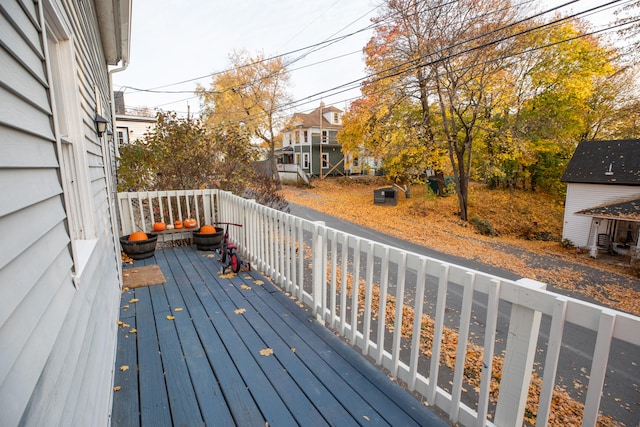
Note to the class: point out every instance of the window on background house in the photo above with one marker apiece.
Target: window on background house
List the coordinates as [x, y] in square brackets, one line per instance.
[306, 136]
[120, 136]
[325, 160]
[336, 118]
[305, 160]
[325, 138]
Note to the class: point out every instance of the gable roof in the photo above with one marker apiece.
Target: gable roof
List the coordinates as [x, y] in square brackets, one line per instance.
[605, 162]
[628, 210]
[312, 119]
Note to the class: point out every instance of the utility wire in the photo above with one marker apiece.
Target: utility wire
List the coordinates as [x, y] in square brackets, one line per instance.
[355, 83]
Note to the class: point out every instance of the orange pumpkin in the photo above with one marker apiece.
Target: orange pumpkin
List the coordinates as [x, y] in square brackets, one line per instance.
[177, 224]
[138, 235]
[208, 229]
[159, 226]
[190, 223]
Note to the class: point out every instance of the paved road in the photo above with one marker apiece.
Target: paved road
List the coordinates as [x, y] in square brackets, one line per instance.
[621, 396]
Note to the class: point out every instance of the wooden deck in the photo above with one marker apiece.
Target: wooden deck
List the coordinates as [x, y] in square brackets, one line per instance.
[205, 367]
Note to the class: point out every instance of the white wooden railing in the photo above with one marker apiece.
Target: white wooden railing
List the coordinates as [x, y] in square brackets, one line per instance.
[311, 262]
[139, 210]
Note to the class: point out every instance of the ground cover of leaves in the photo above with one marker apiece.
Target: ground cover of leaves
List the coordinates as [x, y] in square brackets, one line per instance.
[519, 218]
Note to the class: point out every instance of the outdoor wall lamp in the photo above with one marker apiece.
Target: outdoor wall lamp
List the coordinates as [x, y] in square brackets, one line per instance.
[101, 124]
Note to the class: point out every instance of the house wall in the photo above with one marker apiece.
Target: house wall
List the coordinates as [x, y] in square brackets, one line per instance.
[59, 290]
[576, 228]
[134, 127]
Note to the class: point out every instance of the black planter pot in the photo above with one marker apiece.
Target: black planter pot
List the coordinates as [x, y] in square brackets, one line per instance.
[139, 249]
[208, 242]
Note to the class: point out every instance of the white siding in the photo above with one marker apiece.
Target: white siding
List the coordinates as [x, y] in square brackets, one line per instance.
[57, 341]
[583, 196]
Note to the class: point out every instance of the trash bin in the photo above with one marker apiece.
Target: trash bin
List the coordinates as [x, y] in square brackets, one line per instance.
[387, 196]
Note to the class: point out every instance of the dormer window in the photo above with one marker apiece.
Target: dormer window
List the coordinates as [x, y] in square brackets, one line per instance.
[336, 118]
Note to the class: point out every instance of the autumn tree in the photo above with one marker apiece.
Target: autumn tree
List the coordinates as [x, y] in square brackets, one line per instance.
[183, 154]
[252, 93]
[175, 155]
[450, 53]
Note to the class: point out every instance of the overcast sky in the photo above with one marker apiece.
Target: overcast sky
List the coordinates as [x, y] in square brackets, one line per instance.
[178, 40]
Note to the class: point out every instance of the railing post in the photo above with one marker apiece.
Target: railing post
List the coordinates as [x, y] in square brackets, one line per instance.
[524, 326]
[318, 266]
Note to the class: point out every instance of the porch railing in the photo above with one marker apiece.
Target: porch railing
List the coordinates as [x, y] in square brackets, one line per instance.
[396, 307]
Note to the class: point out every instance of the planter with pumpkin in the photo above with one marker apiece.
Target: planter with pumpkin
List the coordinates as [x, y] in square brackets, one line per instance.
[208, 237]
[139, 245]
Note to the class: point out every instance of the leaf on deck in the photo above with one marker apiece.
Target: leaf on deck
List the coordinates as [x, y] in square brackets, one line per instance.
[266, 352]
[245, 287]
[240, 310]
[124, 368]
[133, 300]
[171, 317]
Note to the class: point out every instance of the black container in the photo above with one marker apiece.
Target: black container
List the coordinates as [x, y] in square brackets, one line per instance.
[208, 242]
[387, 196]
[139, 249]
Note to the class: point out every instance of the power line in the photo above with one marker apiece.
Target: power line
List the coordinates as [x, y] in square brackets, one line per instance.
[352, 84]
[355, 83]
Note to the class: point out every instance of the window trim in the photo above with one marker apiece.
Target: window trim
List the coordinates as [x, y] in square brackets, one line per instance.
[69, 137]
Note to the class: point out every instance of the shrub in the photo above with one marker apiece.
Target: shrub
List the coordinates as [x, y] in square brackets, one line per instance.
[484, 226]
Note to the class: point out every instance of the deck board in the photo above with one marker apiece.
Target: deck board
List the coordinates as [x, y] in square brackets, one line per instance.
[205, 367]
[211, 402]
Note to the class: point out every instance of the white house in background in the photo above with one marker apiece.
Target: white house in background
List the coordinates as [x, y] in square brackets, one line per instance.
[60, 263]
[131, 123]
[602, 207]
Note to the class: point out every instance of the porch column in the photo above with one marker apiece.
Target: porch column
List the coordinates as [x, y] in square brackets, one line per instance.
[635, 251]
[593, 249]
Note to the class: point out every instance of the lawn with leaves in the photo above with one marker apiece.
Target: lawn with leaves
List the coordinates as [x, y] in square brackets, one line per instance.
[522, 220]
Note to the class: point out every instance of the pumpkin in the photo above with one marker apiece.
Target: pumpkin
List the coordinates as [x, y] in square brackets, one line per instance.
[190, 223]
[159, 226]
[138, 235]
[169, 226]
[177, 224]
[208, 229]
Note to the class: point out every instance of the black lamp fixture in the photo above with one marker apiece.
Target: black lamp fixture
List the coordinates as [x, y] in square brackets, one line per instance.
[101, 124]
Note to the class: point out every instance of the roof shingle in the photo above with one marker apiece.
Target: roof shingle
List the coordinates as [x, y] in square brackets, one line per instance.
[605, 162]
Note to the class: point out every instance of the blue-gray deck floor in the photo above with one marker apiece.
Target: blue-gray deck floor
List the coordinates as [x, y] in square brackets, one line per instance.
[205, 367]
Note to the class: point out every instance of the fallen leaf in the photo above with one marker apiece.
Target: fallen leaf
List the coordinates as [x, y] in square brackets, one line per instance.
[366, 418]
[258, 282]
[245, 287]
[133, 330]
[227, 276]
[170, 317]
[239, 311]
[125, 274]
[293, 349]
[124, 368]
[177, 309]
[117, 388]
[132, 300]
[211, 256]
[124, 307]
[266, 352]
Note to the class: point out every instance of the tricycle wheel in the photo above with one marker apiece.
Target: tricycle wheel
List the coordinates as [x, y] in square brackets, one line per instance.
[235, 263]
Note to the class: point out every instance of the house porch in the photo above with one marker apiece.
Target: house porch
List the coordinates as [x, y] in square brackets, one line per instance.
[205, 365]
